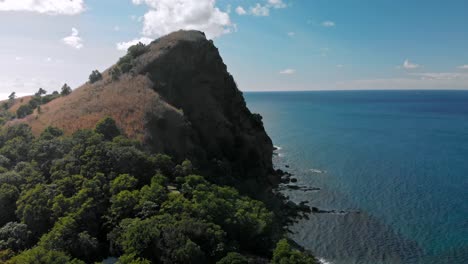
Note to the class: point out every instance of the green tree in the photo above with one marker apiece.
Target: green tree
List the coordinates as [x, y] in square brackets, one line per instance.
[40, 92]
[123, 182]
[40, 255]
[108, 128]
[35, 102]
[95, 76]
[8, 196]
[233, 258]
[15, 236]
[24, 111]
[284, 254]
[34, 209]
[12, 96]
[115, 73]
[66, 90]
[137, 49]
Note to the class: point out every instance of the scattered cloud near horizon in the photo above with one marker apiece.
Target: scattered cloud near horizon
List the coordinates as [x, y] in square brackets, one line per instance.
[463, 67]
[409, 65]
[328, 23]
[49, 7]
[74, 40]
[287, 71]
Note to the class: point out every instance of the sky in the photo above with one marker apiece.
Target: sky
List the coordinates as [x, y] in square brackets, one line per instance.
[268, 45]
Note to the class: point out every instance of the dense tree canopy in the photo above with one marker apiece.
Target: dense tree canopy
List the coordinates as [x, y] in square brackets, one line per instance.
[95, 194]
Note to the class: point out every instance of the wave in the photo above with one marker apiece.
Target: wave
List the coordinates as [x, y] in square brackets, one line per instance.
[323, 261]
[318, 171]
[277, 147]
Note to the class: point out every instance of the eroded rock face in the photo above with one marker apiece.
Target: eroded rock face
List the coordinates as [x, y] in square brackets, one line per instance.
[187, 71]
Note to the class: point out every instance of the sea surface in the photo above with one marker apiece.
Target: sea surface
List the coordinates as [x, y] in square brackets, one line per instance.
[396, 163]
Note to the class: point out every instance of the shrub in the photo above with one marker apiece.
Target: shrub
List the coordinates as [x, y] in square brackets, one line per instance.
[95, 76]
[233, 258]
[115, 73]
[137, 50]
[126, 67]
[108, 128]
[24, 111]
[284, 254]
[66, 90]
[40, 92]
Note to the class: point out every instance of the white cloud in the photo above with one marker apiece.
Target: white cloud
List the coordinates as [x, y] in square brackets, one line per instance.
[401, 83]
[74, 40]
[166, 16]
[116, 28]
[49, 7]
[277, 3]
[241, 11]
[287, 71]
[328, 23]
[291, 34]
[409, 65]
[463, 67]
[259, 10]
[441, 76]
[18, 58]
[264, 10]
[340, 66]
[125, 45]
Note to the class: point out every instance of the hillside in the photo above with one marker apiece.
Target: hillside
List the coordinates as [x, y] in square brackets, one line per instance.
[157, 160]
[178, 98]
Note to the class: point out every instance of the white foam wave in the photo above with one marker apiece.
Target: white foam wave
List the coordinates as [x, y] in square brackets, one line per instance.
[323, 261]
[317, 171]
[277, 147]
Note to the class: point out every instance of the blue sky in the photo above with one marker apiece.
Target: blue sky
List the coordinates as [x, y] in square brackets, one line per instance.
[267, 44]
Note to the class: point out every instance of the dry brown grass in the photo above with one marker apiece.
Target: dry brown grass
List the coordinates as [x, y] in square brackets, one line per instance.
[126, 101]
[18, 102]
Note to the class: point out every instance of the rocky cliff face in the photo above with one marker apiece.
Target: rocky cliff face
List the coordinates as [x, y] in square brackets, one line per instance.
[188, 72]
[178, 99]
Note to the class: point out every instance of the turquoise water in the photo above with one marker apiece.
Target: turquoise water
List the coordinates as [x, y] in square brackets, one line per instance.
[400, 158]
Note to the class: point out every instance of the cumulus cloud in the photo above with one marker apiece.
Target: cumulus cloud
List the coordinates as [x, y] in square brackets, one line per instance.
[287, 71]
[49, 7]
[241, 11]
[441, 75]
[291, 34]
[260, 10]
[463, 67]
[409, 65]
[264, 10]
[165, 16]
[328, 23]
[276, 3]
[74, 40]
[125, 45]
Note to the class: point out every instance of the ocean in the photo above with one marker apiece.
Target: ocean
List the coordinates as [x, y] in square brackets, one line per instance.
[395, 163]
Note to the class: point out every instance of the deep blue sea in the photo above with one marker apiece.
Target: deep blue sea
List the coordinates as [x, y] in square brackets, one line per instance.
[395, 161]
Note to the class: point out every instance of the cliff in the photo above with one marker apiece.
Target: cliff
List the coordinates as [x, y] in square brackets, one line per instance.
[178, 98]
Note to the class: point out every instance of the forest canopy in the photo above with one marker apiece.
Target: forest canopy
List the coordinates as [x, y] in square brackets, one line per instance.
[97, 194]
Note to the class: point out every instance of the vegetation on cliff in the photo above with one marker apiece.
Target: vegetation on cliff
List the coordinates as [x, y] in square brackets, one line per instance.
[95, 194]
